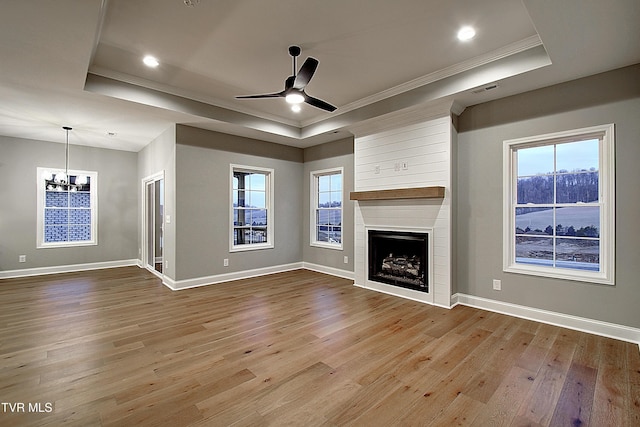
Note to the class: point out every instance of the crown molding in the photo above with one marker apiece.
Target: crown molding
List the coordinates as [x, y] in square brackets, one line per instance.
[496, 55]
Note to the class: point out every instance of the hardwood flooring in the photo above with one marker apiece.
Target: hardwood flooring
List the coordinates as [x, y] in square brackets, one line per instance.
[117, 348]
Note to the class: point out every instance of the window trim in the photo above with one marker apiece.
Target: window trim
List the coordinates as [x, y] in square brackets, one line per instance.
[41, 205]
[606, 183]
[314, 203]
[269, 205]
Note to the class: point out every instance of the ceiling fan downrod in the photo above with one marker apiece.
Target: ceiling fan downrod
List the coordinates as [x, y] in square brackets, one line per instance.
[294, 51]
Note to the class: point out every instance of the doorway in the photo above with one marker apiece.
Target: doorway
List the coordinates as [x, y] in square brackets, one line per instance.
[153, 226]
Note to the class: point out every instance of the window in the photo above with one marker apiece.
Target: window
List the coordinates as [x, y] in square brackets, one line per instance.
[326, 216]
[67, 208]
[559, 205]
[251, 208]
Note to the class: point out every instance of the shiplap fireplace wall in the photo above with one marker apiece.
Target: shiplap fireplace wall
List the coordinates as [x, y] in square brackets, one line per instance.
[409, 152]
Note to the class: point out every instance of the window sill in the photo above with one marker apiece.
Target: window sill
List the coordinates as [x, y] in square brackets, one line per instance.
[555, 273]
[254, 247]
[333, 246]
[65, 244]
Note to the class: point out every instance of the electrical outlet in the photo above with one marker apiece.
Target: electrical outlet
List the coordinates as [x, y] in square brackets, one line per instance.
[377, 169]
[225, 262]
[166, 263]
[396, 166]
[346, 259]
[497, 285]
[22, 258]
[405, 165]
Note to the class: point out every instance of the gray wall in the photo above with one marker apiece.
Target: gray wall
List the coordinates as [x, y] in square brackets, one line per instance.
[612, 97]
[160, 156]
[117, 203]
[202, 202]
[331, 155]
[454, 204]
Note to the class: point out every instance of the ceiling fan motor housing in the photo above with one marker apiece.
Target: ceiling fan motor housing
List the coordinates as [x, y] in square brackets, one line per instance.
[294, 51]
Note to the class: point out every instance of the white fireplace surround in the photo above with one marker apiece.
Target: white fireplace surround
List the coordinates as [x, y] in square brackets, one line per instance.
[417, 215]
[416, 154]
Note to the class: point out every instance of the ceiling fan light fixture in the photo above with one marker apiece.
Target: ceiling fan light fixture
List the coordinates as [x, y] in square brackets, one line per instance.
[296, 108]
[294, 98]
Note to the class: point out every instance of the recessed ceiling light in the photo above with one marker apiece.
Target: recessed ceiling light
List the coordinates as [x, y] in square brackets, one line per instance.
[466, 33]
[150, 61]
[296, 108]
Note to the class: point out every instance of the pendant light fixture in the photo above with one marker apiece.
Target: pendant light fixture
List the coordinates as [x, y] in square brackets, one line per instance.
[65, 178]
[61, 181]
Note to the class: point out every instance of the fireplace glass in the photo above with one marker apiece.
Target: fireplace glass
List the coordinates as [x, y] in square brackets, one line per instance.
[399, 258]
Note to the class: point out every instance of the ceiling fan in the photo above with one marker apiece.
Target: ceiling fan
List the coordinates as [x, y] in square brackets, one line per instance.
[294, 85]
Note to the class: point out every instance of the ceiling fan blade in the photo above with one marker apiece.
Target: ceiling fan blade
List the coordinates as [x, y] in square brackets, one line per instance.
[319, 103]
[266, 95]
[306, 72]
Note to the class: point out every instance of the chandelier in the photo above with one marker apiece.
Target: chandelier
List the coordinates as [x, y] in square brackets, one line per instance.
[62, 181]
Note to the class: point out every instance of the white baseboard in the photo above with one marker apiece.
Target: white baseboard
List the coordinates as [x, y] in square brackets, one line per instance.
[597, 327]
[39, 271]
[176, 285]
[345, 274]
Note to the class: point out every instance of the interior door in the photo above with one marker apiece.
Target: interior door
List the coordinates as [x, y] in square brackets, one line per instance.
[154, 219]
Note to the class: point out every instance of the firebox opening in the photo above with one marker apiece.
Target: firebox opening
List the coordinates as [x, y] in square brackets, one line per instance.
[399, 258]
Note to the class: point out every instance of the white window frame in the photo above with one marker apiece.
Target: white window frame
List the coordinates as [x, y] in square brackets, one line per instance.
[269, 202]
[606, 181]
[41, 205]
[314, 175]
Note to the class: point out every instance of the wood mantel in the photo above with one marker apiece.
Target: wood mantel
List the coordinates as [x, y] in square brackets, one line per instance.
[435, 192]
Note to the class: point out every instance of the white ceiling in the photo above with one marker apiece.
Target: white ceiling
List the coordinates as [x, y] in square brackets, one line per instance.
[78, 62]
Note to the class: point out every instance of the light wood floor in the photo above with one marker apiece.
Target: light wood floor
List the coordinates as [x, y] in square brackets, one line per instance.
[116, 348]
